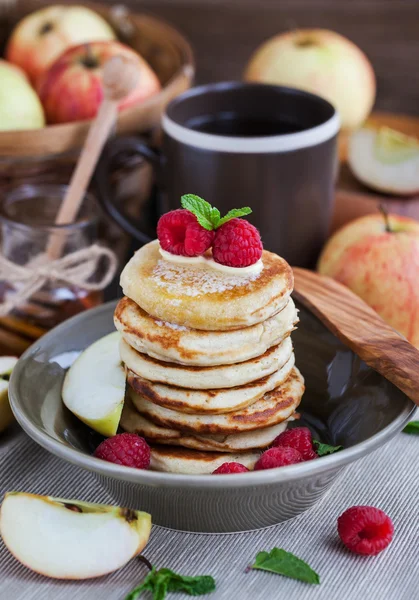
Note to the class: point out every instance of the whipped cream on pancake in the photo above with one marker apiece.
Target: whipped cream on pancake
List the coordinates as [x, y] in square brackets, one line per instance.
[208, 262]
[178, 278]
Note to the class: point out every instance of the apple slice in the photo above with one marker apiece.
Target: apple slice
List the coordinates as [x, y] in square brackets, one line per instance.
[68, 539]
[385, 160]
[7, 364]
[94, 387]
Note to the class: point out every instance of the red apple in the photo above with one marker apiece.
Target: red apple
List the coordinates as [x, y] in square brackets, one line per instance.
[72, 89]
[39, 39]
[379, 260]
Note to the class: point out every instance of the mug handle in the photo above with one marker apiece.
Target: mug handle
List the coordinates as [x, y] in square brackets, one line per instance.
[112, 156]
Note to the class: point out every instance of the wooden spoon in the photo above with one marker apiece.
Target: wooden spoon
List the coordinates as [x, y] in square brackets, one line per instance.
[120, 76]
[361, 329]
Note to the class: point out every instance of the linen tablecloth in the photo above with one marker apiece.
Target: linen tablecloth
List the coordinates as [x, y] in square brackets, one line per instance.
[388, 479]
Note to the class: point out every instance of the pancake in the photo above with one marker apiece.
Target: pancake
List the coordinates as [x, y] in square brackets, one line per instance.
[203, 298]
[209, 401]
[166, 341]
[192, 462]
[206, 378]
[133, 422]
[275, 406]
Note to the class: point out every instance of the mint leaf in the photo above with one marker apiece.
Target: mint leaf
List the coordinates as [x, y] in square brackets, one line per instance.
[215, 217]
[147, 585]
[164, 580]
[200, 208]
[194, 586]
[324, 449]
[412, 427]
[208, 216]
[232, 214]
[286, 564]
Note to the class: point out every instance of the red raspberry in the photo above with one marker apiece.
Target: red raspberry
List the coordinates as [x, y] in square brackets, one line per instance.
[278, 457]
[298, 438]
[180, 233]
[230, 467]
[365, 529]
[128, 449]
[237, 243]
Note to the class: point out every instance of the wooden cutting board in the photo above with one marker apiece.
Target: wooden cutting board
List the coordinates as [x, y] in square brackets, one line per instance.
[353, 199]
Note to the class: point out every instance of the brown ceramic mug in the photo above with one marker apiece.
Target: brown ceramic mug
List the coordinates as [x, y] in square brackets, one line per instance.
[240, 144]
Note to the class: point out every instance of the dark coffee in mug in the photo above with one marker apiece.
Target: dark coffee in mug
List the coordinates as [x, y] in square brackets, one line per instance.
[233, 124]
[241, 144]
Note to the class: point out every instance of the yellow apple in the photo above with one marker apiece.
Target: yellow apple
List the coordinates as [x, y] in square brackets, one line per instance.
[378, 259]
[41, 37]
[69, 539]
[72, 88]
[20, 107]
[322, 62]
[7, 364]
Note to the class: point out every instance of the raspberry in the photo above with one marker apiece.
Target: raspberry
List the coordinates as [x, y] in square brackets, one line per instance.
[298, 438]
[128, 449]
[180, 233]
[278, 457]
[237, 243]
[230, 467]
[365, 529]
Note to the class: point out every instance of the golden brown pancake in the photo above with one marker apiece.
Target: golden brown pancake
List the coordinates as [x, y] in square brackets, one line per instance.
[133, 422]
[173, 343]
[275, 406]
[171, 459]
[202, 298]
[205, 378]
[209, 401]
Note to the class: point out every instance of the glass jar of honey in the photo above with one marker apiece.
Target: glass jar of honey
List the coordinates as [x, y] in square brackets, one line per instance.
[27, 225]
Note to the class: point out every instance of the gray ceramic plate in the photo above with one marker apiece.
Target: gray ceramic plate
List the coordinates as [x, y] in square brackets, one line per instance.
[345, 403]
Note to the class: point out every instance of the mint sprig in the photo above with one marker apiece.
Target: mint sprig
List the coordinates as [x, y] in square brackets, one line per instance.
[324, 449]
[412, 427]
[160, 582]
[208, 216]
[284, 563]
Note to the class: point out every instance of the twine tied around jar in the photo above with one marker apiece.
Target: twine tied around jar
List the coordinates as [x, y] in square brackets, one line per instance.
[74, 269]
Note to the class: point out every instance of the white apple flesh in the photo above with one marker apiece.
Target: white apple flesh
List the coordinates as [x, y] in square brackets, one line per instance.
[394, 172]
[7, 364]
[68, 539]
[94, 386]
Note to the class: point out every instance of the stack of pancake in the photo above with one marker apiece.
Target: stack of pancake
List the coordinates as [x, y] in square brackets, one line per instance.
[209, 358]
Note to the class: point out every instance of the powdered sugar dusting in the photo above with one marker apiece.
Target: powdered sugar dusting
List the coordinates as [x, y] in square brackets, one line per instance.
[171, 325]
[190, 281]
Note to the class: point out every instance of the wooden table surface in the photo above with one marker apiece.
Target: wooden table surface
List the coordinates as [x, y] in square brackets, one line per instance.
[225, 32]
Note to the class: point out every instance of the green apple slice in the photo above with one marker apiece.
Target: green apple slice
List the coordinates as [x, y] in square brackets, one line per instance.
[7, 364]
[392, 146]
[385, 160]
[94, 387]
[68, 539]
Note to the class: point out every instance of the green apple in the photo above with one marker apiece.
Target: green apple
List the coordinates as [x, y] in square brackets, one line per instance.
[20, 107]
[68, 539]
[7, 364]
[94, 387]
